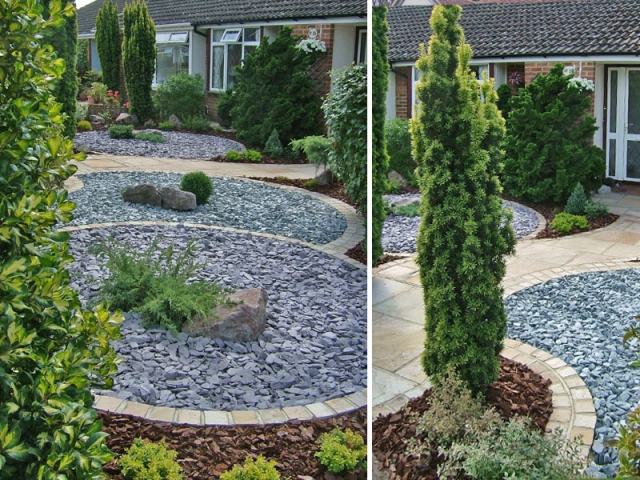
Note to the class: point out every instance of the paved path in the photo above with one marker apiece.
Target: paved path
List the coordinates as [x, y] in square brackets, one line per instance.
[398, 311]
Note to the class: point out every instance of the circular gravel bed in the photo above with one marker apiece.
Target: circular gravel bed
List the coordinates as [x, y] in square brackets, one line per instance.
[235, 203]
[582, 319]
[314, 347]
[399, 233]
[178, 145]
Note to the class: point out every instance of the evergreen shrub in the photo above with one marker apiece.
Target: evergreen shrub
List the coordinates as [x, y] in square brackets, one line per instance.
[549, 142]
[233, 156]
[252, 155]
[84, 126]
[261, 469]
[398, 140]
[82, 58]
[150, 461]
[224, 107]
[504, 95]
[199, 184]
[578, 201]
[197, 123]
[108, 44]
[273, 147]
[342, 451]
[565, 222]
[181, 95]
[120, 132]
[315, 147]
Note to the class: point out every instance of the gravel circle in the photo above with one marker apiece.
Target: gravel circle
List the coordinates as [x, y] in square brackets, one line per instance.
[235, 203]
[399, 233]
[581, 319]
[178, 145]
[314, 347]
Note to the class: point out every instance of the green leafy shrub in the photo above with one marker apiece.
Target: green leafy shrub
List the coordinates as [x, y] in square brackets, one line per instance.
[549, 142]
[139, 58]
[594, 210]
[224, 107]
[504, 95]
[273, 147]
[628, 439]
[154, 137]
[199, 184]
[274, 90]
[82, 58]
[252, 155]
[98, 92]
[315, 147]
[165, 125]
[565, 222]
[150, 461]
[197, 123]
[407, 210]
[398, 138]
[261, 469]
[313, 183]
[108, 43]
[345, 111]
[106, 115]
[181, 95]
[342, 451]
[465, 233]
[121, 131]
[393, 186]
[233, 156]
[82, 111]
[84, 126]
[154, 284]
[578, 201]
[53, 349]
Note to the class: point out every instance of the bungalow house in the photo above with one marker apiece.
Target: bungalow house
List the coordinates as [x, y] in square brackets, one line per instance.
[211, 37]
[598, 40]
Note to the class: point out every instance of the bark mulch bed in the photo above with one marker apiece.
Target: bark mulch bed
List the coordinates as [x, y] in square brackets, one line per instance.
[333, 190]
[358, 253]
[208, 451]
[518, 391]
[386, 258]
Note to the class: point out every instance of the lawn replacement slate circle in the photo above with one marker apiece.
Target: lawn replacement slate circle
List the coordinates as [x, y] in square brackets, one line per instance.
[235, 203]
[581, 319]
[314, 347]
[178, 145]
[399, 233]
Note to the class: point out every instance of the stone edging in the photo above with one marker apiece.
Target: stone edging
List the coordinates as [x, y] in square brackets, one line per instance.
[317, 410]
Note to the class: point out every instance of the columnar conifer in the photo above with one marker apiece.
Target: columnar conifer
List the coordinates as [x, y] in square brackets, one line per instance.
[139, 58]
[108, 44]
[465, 231]
[380, 157]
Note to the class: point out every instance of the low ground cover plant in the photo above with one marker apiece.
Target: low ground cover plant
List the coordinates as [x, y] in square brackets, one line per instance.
[233, 156]
[199, 184]
[150, 461]
[407, 210]
[154, 284]
[167, 125]
[579, 203]
[342, 451]
[260, 469]
[120, 132]
[565, 222]
[154, 137]
[197, 123]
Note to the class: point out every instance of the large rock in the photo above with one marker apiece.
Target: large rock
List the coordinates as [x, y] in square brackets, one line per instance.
[144, 193]
[404, 201]
[124, 119]
[393, 175]
[97, 120]
[176, 199]
[243, 322]
[175, 121]
[325, 178]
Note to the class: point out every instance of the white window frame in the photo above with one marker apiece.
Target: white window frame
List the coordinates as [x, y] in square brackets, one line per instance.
[361, 42]
[225, 42]
[171, 42]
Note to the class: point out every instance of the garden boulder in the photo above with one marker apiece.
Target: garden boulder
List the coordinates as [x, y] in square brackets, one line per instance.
[176, 199]
[175, 121]
[243, 322]
[96, 120]
[124, 119]
[145, 193]
[393, 175]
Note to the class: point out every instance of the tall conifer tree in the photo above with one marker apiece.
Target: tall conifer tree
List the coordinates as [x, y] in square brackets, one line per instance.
[465, 230]
[108, 44]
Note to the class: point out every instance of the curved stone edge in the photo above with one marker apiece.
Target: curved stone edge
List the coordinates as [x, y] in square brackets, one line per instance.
[353, 234]
[318, 410]
[312, 411]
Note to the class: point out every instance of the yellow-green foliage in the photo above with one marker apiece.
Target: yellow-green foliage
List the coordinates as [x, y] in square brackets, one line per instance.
[342, 451]
[84, 126]
[253, 156]
[150, 461]
[565, 222]
[261, 469]
[233, 156]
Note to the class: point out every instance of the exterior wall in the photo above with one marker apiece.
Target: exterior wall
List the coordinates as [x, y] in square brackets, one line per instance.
[345, 40]
[404, 98]
[391, 97]
[320, 70]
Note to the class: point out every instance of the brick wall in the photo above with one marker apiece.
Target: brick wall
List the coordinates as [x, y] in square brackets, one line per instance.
[319, 72]
[403, 92]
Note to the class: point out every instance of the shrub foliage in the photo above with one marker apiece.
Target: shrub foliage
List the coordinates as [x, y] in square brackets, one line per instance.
[260, 469]
[139, 58]
[53, 350]
[465, 231]
[150, 461]
[549, 140]
[398, 139]
[121, 131]
[108, 44]
[345, 111]
[181, 95]
[342, 451]
[199, 184]
[273, 90]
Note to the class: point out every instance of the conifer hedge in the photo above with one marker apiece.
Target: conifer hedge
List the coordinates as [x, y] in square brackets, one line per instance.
[108, 44]
[465, 231]
[380, 158]
[139, 58]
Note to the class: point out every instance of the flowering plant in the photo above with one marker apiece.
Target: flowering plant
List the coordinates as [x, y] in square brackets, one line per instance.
[312, 45]
[515, 79]
[113, 98]
[582, 84]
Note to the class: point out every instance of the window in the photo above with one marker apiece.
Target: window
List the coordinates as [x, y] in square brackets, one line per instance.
[228, 49]
[172, 54]
[361, 45]
[480, 70]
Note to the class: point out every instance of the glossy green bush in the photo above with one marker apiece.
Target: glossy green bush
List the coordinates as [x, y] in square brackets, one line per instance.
[119, 132]
[253, 156]
[261, 469]
[181, 95]
[565, 222]
[224, 107]
[199, 184]
[52, 350]
[345, 111]
[398, 140]
[342, 451]
[150, 461]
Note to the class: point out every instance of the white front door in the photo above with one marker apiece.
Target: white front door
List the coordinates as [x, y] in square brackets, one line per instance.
[623, 124]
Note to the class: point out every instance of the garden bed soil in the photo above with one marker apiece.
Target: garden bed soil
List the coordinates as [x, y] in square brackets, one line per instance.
[208, 451]
[518, 391]
[357, 253]
[333, 190]
[388, 258]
